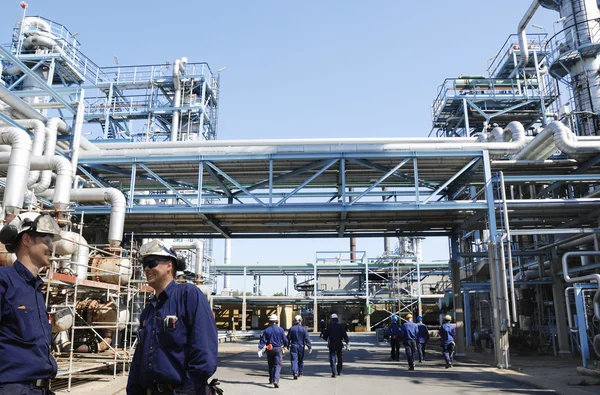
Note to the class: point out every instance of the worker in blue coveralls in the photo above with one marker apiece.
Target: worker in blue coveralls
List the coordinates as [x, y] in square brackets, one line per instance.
[422, 338]
[410, 333]
[335, 334]
[26, 365]
[395, 332]
[177, 339]
[298, 338]
[447, 335]
[272, 341]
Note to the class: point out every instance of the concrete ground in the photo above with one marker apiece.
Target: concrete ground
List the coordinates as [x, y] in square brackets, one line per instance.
[368, 369]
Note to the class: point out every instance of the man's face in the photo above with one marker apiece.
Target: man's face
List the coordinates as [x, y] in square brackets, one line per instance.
[157, 269]
[39, 246]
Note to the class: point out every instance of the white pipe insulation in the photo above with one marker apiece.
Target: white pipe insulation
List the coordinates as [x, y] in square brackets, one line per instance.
[129, 150]
[62, 195]
[18, 169]
[557, 136]
[523, 35]
[37, 148]
[198, 246]
[112, 196]
[178, 69]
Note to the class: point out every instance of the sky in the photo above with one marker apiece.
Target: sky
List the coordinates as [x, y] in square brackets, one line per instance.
[302, 69]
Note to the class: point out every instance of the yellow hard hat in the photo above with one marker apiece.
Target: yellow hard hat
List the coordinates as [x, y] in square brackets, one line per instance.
[447, 318]
[408, 316]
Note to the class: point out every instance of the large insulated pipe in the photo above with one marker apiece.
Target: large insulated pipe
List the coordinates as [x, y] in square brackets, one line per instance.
[112, 196]
[62, 190]
[227, 261]
[523, 36]
[64, 178]
[49, 150]
[198, 246]
[557, 136]
[130, 150]
[18, 168]
[178, 68]
[37, 148]
[80, 258]
[589, 277]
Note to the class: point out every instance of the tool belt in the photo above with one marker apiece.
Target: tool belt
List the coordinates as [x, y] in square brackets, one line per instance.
[41, 383]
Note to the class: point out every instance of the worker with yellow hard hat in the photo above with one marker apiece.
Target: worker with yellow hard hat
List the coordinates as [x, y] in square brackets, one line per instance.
[447, 335]
[410, 332]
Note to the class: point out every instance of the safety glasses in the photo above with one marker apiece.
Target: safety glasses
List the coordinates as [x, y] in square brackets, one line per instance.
[151, 263]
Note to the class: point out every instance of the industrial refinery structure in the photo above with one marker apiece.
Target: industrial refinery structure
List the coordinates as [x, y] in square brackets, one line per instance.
[510, 175]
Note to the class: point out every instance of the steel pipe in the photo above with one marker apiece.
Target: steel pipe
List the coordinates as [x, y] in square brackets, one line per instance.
[18, 168]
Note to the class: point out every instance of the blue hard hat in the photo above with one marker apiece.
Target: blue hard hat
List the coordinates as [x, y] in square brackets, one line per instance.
[394, 318]
[419, 318]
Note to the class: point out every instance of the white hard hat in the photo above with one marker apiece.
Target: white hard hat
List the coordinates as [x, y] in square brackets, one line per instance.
[334, 316]
[29, 222]
[157, 248]
[273, 318]
[298, 318]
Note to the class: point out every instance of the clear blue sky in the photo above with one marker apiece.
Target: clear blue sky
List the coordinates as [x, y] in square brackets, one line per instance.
[300, 69]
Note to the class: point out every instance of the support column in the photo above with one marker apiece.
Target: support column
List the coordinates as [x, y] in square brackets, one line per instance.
[244, 301]
[459, 316]
[560, 311]
[498, 303]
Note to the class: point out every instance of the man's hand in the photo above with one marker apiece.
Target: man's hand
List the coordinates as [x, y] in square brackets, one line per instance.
[310, 350]
[215, 390]
[347, 347]
[260, 353]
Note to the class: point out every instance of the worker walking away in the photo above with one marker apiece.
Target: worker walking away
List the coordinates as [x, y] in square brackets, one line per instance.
[322, 327]
[298, 338]
[422, 338]
[447, 335]
[395, 333]
[410, 333]
[177, 339]
[272, 341]
[26, 365]
[336, 335]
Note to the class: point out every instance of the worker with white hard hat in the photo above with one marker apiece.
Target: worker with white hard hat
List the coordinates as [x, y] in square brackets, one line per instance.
[335, 334]
[25, 331]
[447, 336]
[299, 339]
[273, 340]
[177, 344]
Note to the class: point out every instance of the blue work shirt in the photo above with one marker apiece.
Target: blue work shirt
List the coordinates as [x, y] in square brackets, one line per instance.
[423, 332]
[447, 333]
[25, 331]
[181, 352]
[395, 331]
[410, 331]
[335, 334]
[298, 336]
[274, 335]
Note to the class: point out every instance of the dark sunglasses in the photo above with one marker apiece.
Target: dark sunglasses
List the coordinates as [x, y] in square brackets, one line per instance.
[151, 263]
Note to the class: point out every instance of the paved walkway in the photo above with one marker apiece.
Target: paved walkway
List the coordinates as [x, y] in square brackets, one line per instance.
[368, 369]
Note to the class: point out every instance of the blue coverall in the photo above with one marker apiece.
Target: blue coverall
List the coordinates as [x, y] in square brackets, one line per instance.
[410, 333]
[275, 336]
[298, 338]
[447, 335]
[422, 339]
[177, 344]
[395, 331]
[25, 333]
[335, 334]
